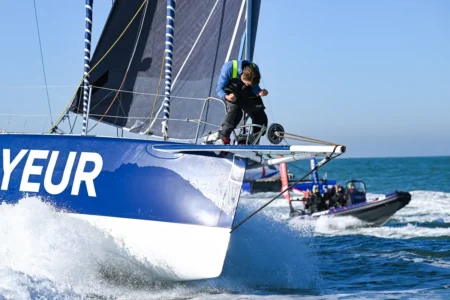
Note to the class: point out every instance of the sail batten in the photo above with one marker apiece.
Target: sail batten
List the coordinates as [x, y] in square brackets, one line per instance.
[208, 33]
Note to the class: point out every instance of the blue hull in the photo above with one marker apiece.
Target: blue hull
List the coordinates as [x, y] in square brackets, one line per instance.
[122, 178]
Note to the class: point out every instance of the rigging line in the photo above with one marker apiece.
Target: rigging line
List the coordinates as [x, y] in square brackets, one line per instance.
[101, 100]
[150, 94]
[306, 139]
[35, 86]
[156, 95]
[74, 122]
[272, 114]
[24, 115]
[319, 165]
[42, 59]
[61, 116]
[128, 68]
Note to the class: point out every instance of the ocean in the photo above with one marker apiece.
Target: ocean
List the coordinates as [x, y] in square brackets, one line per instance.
[47, 255]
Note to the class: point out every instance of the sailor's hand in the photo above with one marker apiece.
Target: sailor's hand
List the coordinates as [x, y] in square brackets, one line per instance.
[230, 97]
[263, 93]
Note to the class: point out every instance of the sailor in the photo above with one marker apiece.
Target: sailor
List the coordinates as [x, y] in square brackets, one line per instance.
[327, 196]
[333, 190]
[238, 86]
[348, 194]
[312, 201]
[339, 197]
[319, 200]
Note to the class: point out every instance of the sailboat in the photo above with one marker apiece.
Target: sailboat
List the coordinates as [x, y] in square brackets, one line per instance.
[165, 194]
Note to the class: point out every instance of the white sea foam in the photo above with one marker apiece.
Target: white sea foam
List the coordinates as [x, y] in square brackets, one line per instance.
[47, 254]
[424, 207]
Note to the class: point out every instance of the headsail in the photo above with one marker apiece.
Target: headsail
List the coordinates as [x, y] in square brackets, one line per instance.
[207, 33]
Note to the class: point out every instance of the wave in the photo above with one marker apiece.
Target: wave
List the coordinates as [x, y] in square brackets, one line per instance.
[49, 254]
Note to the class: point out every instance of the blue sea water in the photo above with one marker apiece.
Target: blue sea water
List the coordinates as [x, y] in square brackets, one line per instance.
[44, 255]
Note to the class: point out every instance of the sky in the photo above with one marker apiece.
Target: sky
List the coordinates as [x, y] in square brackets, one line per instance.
[371, 75]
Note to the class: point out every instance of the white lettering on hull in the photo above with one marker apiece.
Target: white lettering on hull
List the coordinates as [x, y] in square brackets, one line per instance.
[56, 189]
[31, 168]
[9, 166]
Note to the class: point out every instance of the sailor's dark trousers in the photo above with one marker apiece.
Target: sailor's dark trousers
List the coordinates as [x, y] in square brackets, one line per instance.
[248, 102]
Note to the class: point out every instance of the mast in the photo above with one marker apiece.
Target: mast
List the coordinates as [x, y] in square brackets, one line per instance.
[168, 55]
[87, 60]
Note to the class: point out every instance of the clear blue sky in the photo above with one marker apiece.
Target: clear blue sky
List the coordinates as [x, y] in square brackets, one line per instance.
[373, 75]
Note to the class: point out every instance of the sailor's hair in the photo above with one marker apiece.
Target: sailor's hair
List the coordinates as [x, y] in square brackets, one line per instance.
[250, 73]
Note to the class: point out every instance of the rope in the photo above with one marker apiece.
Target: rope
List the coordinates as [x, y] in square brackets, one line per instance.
[319, 165]
[24, 115]
[42, 60]
[304, 138]
[263, 84]
[151, 94]
[74, 122]
[35, 86]
[156, 95]
[100, 60]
